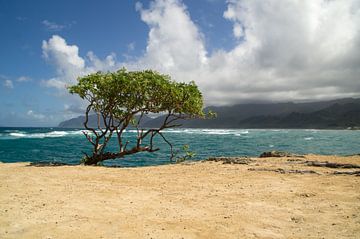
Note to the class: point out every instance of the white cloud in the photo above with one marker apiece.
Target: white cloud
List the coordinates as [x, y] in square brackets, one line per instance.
[69, 66]
[131, 46]
[64, 55]
[238, 31]
[285, 50]
[21, 19]
[53, 26]
[96, 64]
[174, 41]
[23, 79]
[36, 116]
[292, 50]
[8, 84]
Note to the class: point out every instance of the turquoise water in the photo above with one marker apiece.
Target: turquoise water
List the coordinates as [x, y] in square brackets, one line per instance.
[63, 145]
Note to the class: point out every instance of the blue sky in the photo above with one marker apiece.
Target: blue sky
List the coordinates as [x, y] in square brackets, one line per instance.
[237, 51]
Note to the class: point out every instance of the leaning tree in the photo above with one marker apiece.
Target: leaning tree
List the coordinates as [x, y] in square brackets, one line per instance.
[121, 99]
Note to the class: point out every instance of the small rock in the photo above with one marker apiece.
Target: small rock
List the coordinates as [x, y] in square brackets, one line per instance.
[296, 219]
[307, 195]
[270, 154]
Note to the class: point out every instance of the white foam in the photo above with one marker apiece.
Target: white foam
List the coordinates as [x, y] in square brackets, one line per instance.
[308, 138]
[52, 134]
[59, 133]
[17, 134]
[209, 131]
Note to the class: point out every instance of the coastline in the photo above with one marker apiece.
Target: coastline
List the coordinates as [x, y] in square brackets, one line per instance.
[252, 198]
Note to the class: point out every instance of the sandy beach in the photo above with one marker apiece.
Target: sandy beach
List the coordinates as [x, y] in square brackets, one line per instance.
[287, 197]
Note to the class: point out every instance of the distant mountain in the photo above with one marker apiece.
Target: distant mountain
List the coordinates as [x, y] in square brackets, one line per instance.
[332, 117]
[278, 115]
[340, 113]
[79, 122]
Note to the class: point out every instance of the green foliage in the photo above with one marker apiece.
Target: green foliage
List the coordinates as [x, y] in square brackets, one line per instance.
[117, 97]
[211, 114]
[186, 155]
[122, 93]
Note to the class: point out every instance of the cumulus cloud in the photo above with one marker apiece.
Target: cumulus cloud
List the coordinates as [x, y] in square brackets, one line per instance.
[174, 41]
[284, 51]
[69, 65]
[294, 50]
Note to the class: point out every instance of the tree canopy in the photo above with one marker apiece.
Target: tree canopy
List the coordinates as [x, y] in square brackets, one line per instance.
[121, 98]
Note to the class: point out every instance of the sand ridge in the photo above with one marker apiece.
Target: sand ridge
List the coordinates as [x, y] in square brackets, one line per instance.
[190, 200]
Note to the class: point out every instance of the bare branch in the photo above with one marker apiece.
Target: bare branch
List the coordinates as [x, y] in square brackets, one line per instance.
[88, 137]
[168, 142]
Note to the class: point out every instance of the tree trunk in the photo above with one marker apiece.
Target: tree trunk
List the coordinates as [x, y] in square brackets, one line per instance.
[97, 158]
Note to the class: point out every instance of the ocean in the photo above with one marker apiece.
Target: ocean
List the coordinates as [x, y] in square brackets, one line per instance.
[67, 145]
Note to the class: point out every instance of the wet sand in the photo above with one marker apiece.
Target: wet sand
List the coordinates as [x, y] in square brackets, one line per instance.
[264, 198]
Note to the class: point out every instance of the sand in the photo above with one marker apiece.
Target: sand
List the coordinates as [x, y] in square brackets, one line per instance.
[193, 200]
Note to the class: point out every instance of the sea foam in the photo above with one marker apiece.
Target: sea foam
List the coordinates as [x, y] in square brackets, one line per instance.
[52, 134]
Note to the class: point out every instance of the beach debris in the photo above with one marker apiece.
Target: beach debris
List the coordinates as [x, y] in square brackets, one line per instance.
[331, 165]
[231, 160]
[307, 195]
[278, 154]
[283, 171]
[297, 219]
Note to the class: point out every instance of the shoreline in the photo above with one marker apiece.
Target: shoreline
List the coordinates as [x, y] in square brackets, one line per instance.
[79, 128]
[241, 198]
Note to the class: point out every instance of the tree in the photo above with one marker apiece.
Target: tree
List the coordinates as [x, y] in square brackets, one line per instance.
[120, 100]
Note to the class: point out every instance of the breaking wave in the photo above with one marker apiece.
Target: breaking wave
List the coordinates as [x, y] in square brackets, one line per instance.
[15, 134]
[52, 134]
[209, 131]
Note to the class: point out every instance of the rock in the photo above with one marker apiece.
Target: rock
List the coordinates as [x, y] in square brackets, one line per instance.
[331, 165]
[295, 160]
[307, 195]
[270, 154]
[231, 160]
[283, 171]
[46, 164]
[351, 155]
[356, 173]
[297, 219]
